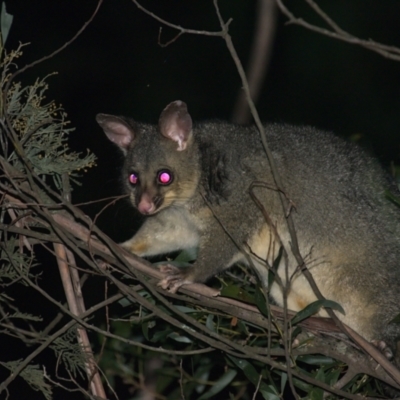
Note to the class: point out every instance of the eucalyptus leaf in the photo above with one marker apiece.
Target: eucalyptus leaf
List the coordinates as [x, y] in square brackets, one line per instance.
[316, 359]
[261, 302]
[275, 265]
[160, 335]
[251, 373]
[284, 379]
[125, 301]
[237, 293]
[269, 395]
[210, 323]
[220, 384]
[179, 338]
[316, 394]
[185, 309]
[313, 308]
[333, 376]
[202, 374]
[187, 255]
[302, 384]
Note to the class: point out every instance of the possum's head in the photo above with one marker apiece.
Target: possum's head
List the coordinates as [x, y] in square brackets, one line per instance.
[161, 163]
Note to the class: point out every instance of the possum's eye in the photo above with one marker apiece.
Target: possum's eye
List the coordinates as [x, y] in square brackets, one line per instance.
[164, 177]
[133, 179]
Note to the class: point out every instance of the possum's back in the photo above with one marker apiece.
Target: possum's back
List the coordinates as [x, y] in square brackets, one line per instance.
[337, 187]
[334, 184]
[348, 229]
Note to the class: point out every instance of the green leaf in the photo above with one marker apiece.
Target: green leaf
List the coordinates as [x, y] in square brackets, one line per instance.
[242, 327]
[301, 384]
[6, 21]
[187, 255]
[316, 394]
[210, 323]
[274, 269]
[269, 395]
[179, 338]
[202, 374]
[333, 376]
[261, 302]
[160, 335]
[251, 373]
[125, 301]
[186, 310]
[316, 359]
[320, 375]
[313, 308]
[237, 293]
[296, 331]
[284, 379]
[220, 384]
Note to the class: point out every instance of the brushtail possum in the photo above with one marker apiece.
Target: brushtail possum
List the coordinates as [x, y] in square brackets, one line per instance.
[193, 184]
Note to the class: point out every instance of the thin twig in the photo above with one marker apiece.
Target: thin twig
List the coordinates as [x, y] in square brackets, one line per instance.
[60, 49]
[390, 52]
[178, 27]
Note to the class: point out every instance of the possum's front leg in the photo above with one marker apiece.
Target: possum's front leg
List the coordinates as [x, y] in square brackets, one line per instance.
[163, 233]
[216, 253]
[176, 229]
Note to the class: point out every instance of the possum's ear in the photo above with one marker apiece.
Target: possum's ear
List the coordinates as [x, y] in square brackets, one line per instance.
[176, 124]
[118, 130]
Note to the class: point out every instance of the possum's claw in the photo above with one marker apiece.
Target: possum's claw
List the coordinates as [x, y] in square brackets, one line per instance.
[384, 348]
[174, 277]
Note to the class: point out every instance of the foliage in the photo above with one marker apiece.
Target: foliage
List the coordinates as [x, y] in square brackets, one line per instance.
[41, 129]
[33, 143]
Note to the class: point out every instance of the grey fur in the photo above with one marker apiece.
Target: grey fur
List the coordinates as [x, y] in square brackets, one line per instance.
[348, 230]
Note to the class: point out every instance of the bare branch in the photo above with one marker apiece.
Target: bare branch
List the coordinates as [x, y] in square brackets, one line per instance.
[260, 53]
[390, 52]
[178, 27]
[60, 49]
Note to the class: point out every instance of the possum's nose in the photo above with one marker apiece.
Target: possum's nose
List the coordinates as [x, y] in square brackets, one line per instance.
[146, 205]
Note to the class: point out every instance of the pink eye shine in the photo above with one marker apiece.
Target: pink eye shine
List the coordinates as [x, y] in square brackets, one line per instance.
[133, 179]
[164, 177]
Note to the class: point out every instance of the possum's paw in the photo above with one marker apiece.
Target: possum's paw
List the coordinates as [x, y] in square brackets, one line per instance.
[135, 246]
[384, 348]
[174, 277]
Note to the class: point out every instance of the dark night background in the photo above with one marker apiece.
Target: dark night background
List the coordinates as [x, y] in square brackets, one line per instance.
[116, 66]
